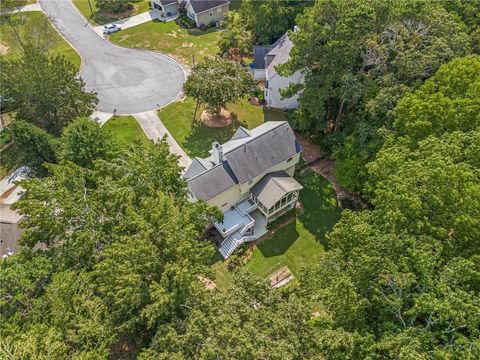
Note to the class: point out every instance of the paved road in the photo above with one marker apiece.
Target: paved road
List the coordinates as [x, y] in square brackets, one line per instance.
[126, 80]
[154, 129]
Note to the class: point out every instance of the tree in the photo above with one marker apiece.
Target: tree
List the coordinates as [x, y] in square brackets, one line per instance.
[448, 101]
[84, 141]
[36, 146]
[122, 238]
[50, 98]
[359, 59]
[216, 82]
[235, 36]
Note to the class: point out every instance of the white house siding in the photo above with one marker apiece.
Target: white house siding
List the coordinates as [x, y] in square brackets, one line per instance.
[272, 93]
[216, 14]
[170, 8]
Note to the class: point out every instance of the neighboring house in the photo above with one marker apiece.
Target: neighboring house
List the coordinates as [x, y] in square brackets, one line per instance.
[206, 11]
[166, 7]
[250, 179]
[266, 58]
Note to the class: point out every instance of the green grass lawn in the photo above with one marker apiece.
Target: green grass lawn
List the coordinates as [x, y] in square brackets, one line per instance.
[171, 39]
[99, 18]
[29, 25]
[126, 130]
[301, 242]
[195, 138]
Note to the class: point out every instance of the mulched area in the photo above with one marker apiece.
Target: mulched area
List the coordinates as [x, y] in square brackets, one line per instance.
[311, 151]
[216, 120]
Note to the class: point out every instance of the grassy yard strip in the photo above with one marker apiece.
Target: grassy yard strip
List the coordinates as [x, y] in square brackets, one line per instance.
[99, 18]
[29, 23]
[302, 242]
[126, 130]
[195, 138]
[170, 38]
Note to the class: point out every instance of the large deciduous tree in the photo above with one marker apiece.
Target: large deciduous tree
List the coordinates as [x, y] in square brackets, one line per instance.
[45, 90]
[359, 59]
[215, 83]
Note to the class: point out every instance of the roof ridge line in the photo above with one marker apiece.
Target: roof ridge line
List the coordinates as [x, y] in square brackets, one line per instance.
[266, 132]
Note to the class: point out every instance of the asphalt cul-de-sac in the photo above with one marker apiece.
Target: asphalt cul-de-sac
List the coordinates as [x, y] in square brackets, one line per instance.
[127, 81]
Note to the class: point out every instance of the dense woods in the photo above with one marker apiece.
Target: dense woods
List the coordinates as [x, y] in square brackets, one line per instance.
[392, 89]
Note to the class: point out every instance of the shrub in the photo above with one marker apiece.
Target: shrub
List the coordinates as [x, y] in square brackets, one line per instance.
[203, 27]
[185, 22]
[212, 24]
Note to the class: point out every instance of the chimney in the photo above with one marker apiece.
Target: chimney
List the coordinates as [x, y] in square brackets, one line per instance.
[217, 153]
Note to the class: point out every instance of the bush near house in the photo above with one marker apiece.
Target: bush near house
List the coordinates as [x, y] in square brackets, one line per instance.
[185, 22]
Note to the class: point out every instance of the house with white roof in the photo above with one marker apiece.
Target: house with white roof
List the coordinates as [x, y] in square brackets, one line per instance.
[250, 178]
[266, 59]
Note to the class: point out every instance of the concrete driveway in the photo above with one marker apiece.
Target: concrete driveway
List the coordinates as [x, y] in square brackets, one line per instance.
[126, 80]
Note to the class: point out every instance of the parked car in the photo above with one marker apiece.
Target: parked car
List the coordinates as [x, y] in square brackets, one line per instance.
[111, 28]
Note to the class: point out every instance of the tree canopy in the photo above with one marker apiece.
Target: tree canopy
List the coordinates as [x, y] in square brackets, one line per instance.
[50, 98]
[216, 82]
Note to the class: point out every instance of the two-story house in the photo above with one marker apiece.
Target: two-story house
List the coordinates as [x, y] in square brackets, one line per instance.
[206, 11]
[266, 59]
[203, 12]
[250, 178]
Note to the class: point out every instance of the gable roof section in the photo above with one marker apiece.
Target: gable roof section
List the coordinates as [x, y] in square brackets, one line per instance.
[200, 6]
[257, 155]
[241, 133]
[212, 182]
[273, 187]
[196, 168]
[279, 54]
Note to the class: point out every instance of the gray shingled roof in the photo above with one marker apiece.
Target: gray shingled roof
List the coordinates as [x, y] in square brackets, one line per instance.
[204, 5]
[261, 153]
[167, 2]
[273, 187]
[279, 54]
[245, 157]
[212, 182]
[259, 52]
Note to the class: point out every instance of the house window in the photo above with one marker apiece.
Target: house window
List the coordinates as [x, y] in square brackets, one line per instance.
[211, 14]
[288, 160]
[223, 205]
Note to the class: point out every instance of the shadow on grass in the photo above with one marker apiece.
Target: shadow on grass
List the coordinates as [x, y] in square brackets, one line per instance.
[200, 139]
[320, 210]
[280, 242]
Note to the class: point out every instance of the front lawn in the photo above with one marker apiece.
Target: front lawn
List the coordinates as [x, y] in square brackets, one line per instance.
[99, 18]
[30, 25]
[195, 138]
[171, 39]
[302, 242]
[126, 130]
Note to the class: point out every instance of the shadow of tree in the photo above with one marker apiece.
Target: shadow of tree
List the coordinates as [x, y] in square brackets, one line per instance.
[319, 204]
[280, 242]
[200, 139]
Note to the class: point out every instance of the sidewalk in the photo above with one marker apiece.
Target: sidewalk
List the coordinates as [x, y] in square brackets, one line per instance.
[155, 130]
[101, 117]
[136, 20]
[31, 7]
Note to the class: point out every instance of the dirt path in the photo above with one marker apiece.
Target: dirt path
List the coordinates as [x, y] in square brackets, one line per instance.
[318, 161]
